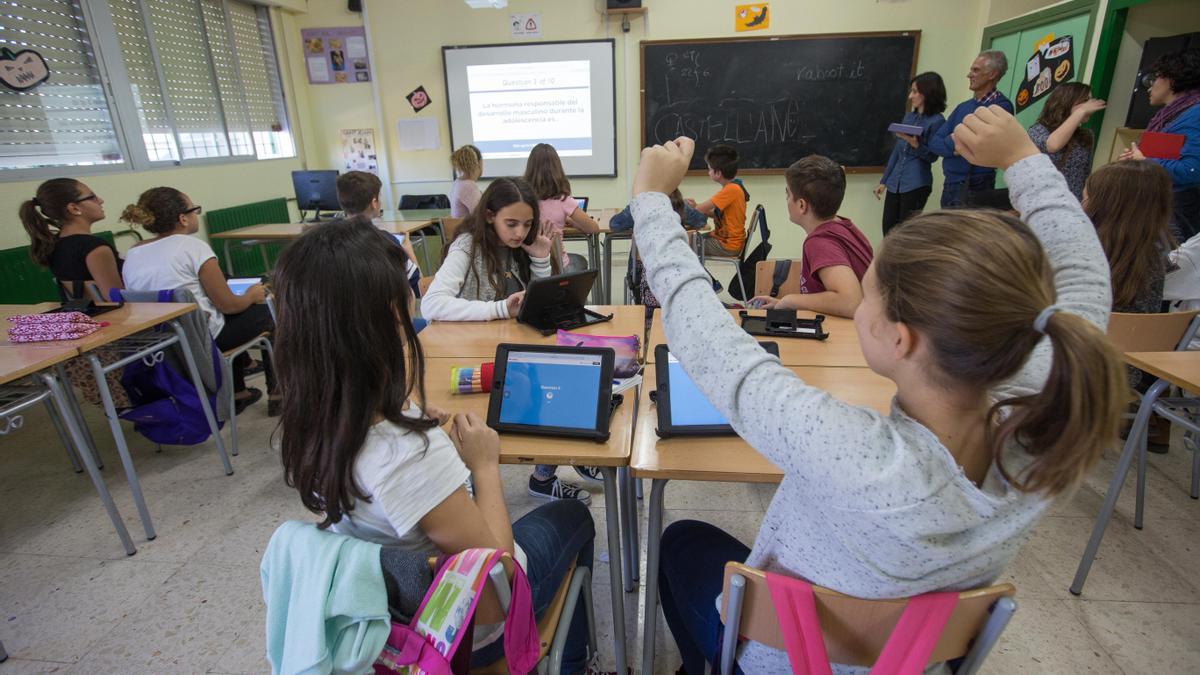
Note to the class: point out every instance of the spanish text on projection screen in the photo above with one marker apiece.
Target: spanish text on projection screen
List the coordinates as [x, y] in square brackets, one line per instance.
[515, 106]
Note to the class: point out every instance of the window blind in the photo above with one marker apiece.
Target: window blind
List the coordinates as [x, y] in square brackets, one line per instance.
[66, 120]
[260, 76]
[157, 131]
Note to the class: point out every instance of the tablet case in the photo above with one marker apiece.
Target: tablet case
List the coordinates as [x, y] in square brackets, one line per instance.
[604, 397]
[662, 399]
[910, 129]
[1157, 145]
[784, 323]
[557, 302]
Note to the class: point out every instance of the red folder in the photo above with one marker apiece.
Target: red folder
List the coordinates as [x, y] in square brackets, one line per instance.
[1161, 146]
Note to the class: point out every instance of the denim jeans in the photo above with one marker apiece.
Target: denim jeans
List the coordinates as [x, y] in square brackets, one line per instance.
[689, 580]
[953, 193]
[552, 536]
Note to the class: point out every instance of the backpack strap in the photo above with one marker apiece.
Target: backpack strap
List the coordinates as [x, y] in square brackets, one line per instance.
[779, 275]
[916, 633]
[796, 609]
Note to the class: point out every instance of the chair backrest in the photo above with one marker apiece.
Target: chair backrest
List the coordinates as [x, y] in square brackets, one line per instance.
[418, 202]
[764, 277]
[76, 290]
[1152, 332]
[856, 629]
[751, 224]
[450, 227]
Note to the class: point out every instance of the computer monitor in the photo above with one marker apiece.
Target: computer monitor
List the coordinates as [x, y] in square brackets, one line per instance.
[316, 191]
[583, 203]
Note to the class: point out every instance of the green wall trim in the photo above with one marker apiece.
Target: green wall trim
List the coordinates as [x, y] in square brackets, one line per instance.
[1107, 50]
[1040, 17]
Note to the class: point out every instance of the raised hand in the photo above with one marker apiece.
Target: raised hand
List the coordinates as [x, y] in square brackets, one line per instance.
[663, 166]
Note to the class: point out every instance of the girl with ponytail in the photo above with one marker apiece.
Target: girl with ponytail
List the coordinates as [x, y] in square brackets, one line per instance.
[1007, 391]
[59, 221]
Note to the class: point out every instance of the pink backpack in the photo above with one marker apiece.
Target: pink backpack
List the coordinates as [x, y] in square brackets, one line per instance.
[905, 653]
[431, 642]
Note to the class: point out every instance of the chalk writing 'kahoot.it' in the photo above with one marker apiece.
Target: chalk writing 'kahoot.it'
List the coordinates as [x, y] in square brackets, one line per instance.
[842, 71]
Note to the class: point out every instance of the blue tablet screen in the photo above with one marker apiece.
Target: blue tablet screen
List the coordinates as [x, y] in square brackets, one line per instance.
[688, 406]
[240, 286]
[551, 390]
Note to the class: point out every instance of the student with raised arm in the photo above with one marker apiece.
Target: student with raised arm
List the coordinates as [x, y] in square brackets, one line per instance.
[1006, 393]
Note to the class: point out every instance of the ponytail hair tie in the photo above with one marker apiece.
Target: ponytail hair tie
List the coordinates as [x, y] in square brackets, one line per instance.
[1039, 324]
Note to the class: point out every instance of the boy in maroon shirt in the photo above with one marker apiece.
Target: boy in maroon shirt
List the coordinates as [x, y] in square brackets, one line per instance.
[836, 254]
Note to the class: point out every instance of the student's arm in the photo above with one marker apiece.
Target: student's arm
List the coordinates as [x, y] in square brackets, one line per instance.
[212, 280]
[1039, 192]
[459, 523]
[940, 141]
[583, 222]
[841, 296]
[102, 265]
[923, 150]
[707, 207]
[408, 250]
[441, 301]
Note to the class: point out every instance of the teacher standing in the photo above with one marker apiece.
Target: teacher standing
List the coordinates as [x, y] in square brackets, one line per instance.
[908, 178]
[962, 176]
[1176, 87]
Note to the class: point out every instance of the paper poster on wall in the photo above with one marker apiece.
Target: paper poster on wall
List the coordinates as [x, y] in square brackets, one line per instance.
[23, 70]
[751, 17]
[526, 25]
[336, 55]
[419, 134]
[1052, 64]
[358, 150]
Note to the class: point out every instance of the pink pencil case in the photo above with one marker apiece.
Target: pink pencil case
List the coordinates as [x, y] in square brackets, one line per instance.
[52, 326]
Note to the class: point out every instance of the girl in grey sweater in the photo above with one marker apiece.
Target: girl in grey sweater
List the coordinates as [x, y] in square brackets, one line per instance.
[1007, 392]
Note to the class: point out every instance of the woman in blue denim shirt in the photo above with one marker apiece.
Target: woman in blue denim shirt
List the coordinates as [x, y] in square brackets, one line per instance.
[908, 178]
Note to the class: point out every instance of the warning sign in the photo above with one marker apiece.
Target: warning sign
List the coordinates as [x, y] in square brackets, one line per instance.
[526, 25]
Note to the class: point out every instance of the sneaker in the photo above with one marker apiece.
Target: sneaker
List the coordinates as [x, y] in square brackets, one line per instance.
[240, 403]
[556, 489]
[590, 474]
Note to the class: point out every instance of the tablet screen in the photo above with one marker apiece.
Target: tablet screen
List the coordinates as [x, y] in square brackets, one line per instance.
[399, 237]
[551, 390]
[239, 286]
[688, 406]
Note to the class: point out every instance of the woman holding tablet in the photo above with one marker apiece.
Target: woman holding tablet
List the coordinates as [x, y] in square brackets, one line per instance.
[175, 259]
[908, 178]
[369, 456]
[991, 330]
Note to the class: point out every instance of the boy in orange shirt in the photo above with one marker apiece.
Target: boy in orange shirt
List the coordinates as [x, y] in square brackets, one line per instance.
[728, 206]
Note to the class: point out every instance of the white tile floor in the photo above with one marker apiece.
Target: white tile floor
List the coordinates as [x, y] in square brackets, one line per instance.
[190, 601]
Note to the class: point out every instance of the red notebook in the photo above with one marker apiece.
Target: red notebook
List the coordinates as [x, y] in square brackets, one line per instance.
[1161, 146]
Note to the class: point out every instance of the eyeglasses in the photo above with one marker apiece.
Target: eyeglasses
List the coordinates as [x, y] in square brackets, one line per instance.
[1148, 79]
[195, 209]
[84, 199]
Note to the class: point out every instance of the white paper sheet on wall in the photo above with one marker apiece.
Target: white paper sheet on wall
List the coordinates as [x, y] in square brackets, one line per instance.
[356, 47]
[318, 71]
[420, 134]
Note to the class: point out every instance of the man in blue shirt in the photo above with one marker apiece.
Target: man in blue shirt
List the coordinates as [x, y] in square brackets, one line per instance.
[986, 71]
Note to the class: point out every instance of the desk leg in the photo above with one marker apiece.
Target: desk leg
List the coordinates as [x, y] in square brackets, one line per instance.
[612, 514]
[262, 252]
[114, 424]
[628, 563]
[653, 548]
[72, 423]
[62, 436]
[632, 538]
[593, 244]
[228, 260]
[199, 383]
[606, 273]
[69, 394]
[1133, 443]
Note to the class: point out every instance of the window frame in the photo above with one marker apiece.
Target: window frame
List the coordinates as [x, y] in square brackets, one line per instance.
[114, 80]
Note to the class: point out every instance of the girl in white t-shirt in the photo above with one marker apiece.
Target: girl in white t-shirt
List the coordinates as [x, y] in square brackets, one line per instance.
[364, 450]
[174, 259]
[544, 171]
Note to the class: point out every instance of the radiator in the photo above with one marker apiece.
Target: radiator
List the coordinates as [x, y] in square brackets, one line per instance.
[247, 262]
[23, 281]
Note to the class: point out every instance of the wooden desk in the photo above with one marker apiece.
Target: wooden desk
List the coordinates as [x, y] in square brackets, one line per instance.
[1181, 369]
[134, 317]
[520, 449]
[720, 459]
[841, 349]
[477, 340]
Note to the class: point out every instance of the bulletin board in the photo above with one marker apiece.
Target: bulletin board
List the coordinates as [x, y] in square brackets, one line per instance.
[336, 55]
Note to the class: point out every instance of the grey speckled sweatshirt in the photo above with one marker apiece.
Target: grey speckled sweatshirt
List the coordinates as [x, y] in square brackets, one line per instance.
[870, 505]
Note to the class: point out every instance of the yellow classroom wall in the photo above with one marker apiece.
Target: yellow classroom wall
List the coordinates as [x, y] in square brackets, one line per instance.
[406, 40]
[1157, 18]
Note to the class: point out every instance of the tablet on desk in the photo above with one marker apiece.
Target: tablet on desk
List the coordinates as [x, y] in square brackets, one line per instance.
[682, 408]
[240, 286]
[552, 391]
[583, 203]
[558, 302]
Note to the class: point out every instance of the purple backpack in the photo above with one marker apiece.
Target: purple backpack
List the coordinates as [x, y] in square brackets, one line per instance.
[166, 407]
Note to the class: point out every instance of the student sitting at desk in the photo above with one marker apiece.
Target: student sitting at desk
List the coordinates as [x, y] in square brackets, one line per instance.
[175, 259]
[836, 253]
[728, 206]
[59, 221]
[1007, 392]
[368, 455]
[556, 207]
[495, 253]
[358, 194]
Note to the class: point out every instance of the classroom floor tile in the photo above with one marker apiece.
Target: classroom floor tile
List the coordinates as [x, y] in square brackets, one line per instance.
[190, 601]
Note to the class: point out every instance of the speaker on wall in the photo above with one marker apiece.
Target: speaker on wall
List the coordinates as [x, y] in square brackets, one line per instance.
[624, 4]
[354, 5]
[1140, 110]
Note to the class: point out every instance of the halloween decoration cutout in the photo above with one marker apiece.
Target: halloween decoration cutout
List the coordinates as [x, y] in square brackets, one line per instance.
[1052, 64]
[23, 70]
[418, 98]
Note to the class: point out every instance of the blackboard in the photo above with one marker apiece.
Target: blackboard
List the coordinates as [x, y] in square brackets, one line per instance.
[779, 98]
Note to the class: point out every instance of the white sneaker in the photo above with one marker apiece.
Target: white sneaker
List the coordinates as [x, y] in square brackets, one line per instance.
[556, 489]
